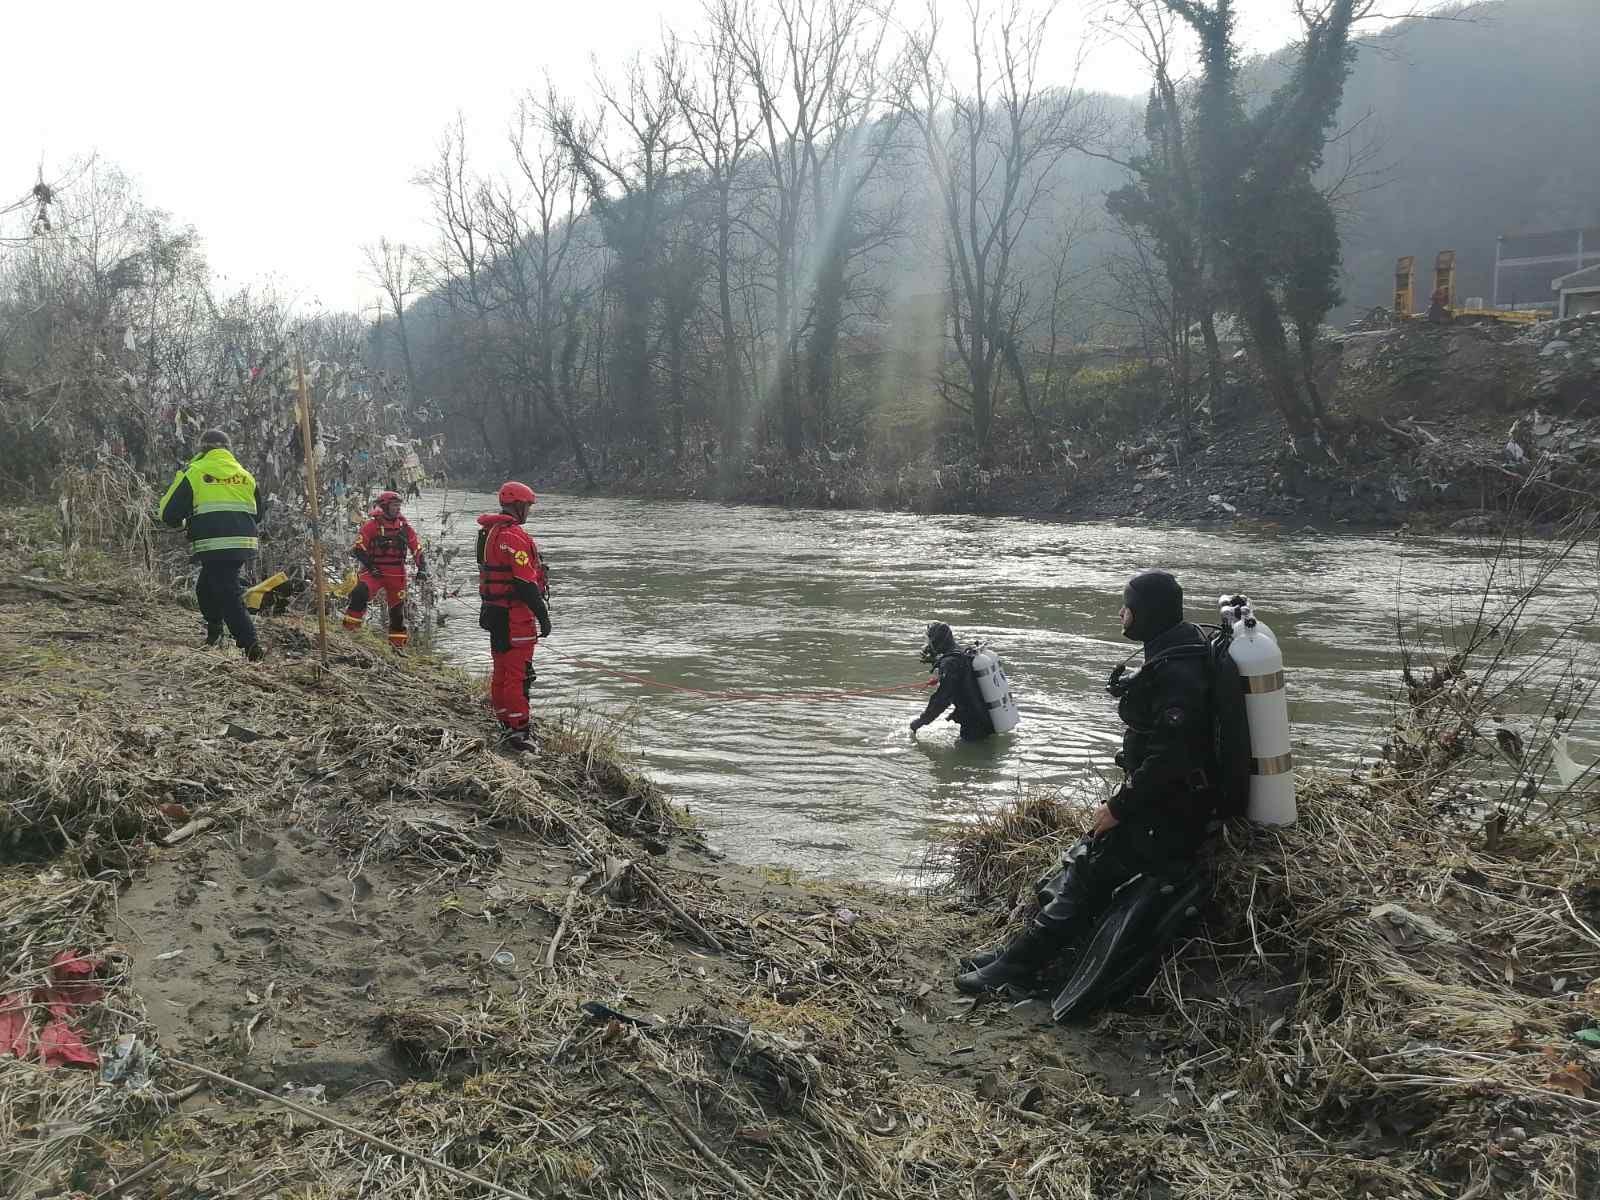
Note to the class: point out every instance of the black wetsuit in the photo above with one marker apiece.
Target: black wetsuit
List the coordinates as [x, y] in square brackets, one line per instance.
[1167, 800]
[958, 687]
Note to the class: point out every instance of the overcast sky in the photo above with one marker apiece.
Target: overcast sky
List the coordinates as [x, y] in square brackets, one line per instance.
[288, 134]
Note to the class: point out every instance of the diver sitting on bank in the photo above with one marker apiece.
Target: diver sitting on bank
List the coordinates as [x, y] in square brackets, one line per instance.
[1155, 822]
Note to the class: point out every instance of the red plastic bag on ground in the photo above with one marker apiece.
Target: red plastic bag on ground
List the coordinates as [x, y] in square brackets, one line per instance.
[60, 1045]
[72, 986]
[16, 1033]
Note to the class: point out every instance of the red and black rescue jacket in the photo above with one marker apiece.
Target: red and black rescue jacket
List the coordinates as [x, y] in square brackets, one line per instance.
[381, 544]
[510, 571]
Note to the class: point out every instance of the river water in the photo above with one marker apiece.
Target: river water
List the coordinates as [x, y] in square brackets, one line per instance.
[719, 599]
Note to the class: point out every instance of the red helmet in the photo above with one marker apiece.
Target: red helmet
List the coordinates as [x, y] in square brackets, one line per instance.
[512, 492]
[385, 497]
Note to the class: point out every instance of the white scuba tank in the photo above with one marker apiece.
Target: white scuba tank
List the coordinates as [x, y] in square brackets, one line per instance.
[1255, 652]
[995, 690]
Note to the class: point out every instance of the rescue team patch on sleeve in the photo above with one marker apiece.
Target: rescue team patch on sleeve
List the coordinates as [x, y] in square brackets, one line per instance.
[1174, 716]
[522, 558]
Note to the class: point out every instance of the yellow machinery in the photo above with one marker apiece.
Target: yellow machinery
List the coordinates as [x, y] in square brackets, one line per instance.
[1404, 275]
[1444, 280]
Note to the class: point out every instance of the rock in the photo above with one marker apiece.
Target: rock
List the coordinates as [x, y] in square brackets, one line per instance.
[1137, 488]
[1551, 349]
[1400, 925]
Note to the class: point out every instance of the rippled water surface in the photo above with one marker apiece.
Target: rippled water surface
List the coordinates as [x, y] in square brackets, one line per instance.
[732, 599]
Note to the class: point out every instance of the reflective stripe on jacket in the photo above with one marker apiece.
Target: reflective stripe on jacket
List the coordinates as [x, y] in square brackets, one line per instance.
[215, 498]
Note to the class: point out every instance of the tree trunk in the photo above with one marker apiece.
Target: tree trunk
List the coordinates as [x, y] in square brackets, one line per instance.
[1208, 330]
[405, 354]
[982, 402]
[732, 397]
[1307, 337]
[788, 407]
[1019, 372]
[828, 317]
[1271, 349]
[676, 391]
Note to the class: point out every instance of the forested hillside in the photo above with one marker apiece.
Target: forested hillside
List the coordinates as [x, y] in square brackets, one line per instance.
[1479, 127]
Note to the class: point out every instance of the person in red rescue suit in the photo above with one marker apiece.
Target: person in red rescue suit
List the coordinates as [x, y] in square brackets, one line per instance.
[512, 584]
[381, 548]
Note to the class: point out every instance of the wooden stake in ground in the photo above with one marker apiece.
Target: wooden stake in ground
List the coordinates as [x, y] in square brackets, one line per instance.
[316, 523]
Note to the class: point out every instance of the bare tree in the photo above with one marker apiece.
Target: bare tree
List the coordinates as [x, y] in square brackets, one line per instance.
[804, 60]
[1162, 206]
[536, 220]
[398, 272]
[464, 283]
[626, 181]
[992, 153]
[1043, 309]
[845, 153]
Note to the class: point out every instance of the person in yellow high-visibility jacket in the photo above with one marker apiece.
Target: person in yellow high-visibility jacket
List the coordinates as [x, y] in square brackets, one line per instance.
[215, 499]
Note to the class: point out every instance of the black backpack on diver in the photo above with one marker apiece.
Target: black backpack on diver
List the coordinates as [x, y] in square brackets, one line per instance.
[1230, 725]
[1227, 775]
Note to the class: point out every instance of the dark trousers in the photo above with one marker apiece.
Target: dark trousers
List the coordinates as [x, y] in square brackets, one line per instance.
[1076, 895]
[221, 601]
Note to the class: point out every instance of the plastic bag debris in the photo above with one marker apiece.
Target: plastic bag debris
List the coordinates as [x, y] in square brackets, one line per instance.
[311, 1094]
[131, 1063]
[16, 1033]
[57, 1044]
[1568, 771]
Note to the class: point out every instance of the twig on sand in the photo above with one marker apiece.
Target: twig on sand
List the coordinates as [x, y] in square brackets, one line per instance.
[566, 916]
[597, 859]
[184, 832]
[724, 1168]
[363, 1135]
[1582, 924]
[142, 1173]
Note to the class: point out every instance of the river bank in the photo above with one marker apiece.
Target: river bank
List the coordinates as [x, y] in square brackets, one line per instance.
[1431, 427]
[673, 1024]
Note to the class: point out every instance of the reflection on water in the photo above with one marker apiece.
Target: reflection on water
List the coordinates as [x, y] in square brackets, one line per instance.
[722, 599]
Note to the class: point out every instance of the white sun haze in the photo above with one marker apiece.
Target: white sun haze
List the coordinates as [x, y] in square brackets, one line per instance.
[290, 135]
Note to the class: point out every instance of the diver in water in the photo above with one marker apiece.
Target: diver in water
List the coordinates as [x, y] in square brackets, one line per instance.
[1156, 820]
[958, 686]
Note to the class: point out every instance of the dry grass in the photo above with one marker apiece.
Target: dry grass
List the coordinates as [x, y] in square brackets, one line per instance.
[1308, 1030]
[998, 854]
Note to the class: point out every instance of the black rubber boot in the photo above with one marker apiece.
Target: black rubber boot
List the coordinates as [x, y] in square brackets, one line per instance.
[254, 652]
[519, 741]
[1017, 964]
[213, 635]
[979, 959]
